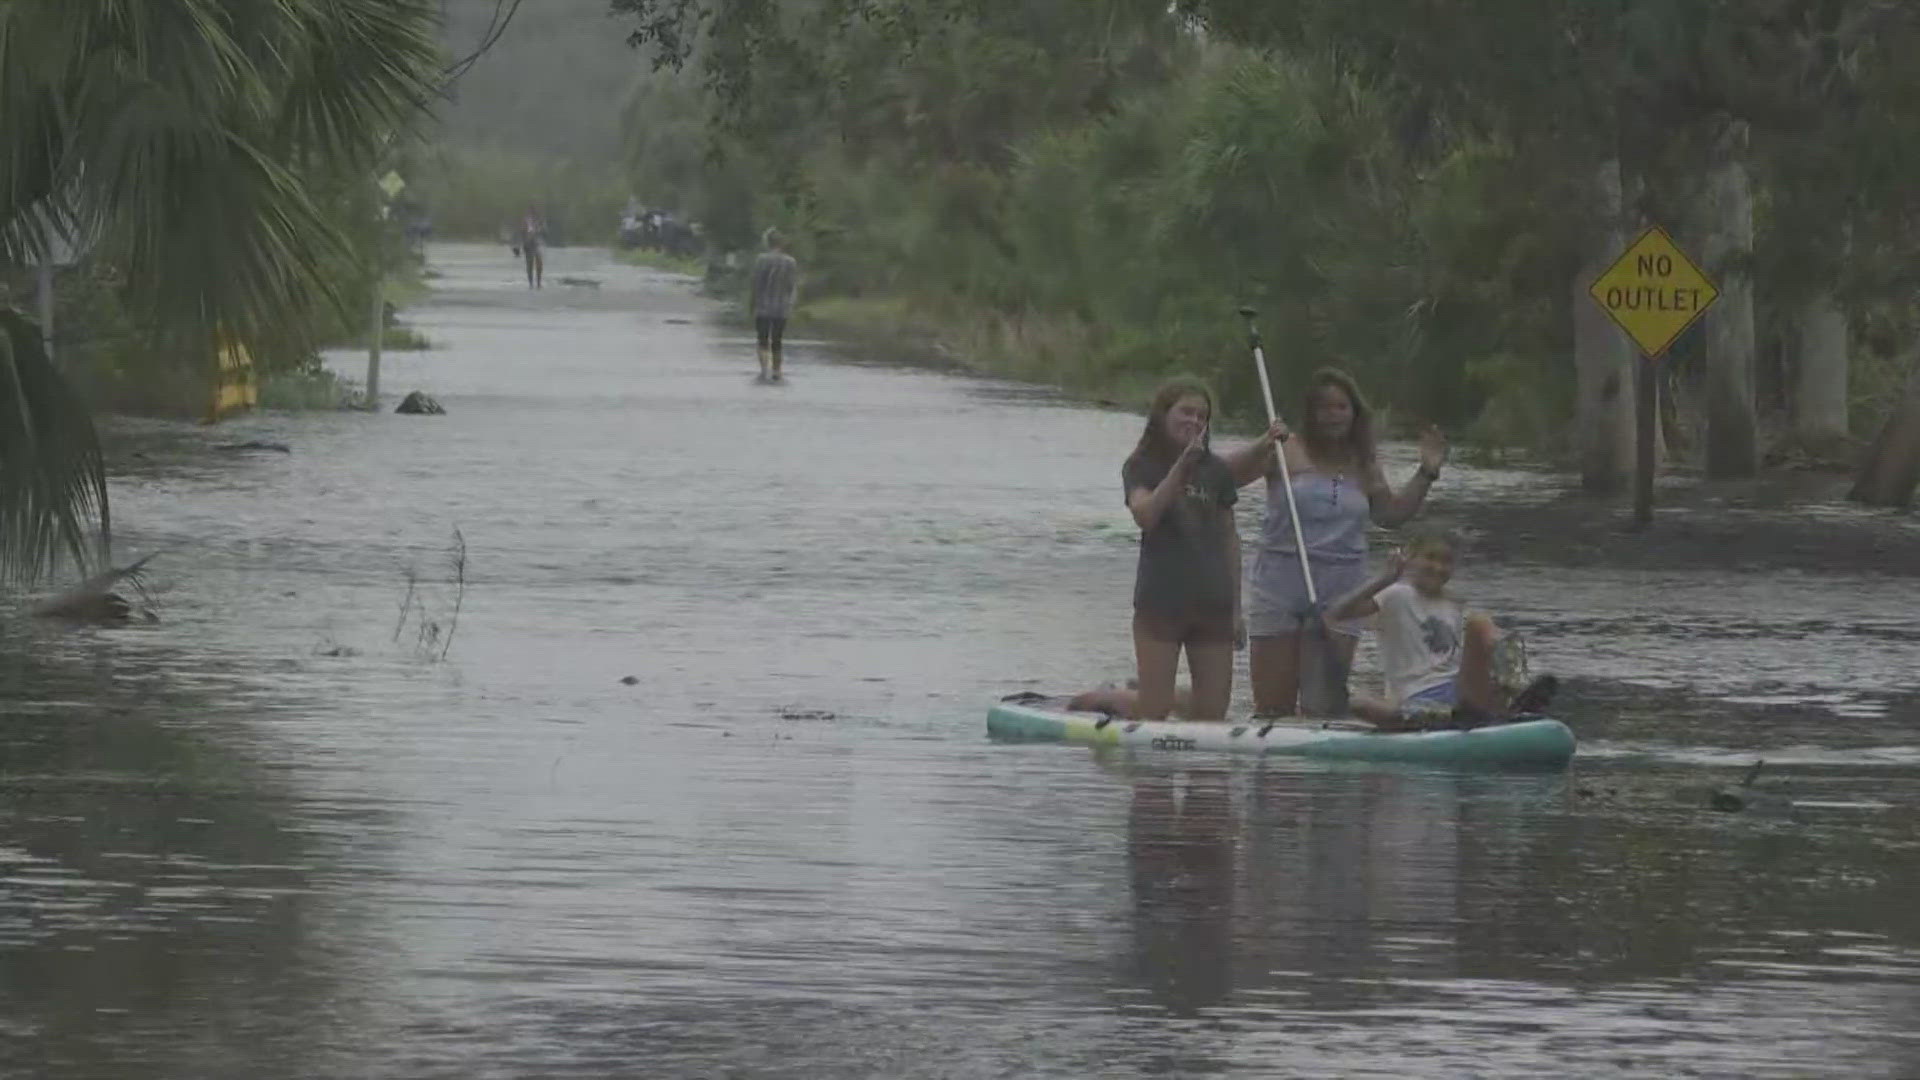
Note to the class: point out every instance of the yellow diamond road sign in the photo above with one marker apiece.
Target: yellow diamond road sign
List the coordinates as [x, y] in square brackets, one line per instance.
[1654, 291]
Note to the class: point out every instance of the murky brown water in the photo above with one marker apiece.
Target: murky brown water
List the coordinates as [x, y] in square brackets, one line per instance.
[270, 838]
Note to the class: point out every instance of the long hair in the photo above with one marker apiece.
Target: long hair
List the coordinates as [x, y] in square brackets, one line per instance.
[1359, 441]
[1154, 445]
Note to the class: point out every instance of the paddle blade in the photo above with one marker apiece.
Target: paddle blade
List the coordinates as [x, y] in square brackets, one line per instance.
[1323, 672]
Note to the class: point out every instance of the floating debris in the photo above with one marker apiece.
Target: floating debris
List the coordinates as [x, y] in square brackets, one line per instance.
[419, 404]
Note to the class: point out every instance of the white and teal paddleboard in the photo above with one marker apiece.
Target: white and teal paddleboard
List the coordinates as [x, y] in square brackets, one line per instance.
[1525, 744]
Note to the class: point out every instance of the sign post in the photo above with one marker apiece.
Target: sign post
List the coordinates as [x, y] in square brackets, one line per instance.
[390, 185]
[1653, 292]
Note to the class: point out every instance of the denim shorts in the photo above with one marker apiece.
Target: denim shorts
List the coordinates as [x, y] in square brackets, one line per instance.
[1439, 696]
[1277, 595]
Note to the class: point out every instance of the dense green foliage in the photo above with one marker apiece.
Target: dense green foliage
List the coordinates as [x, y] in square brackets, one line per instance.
[1401, 186]
[534, 121]
[214, 158]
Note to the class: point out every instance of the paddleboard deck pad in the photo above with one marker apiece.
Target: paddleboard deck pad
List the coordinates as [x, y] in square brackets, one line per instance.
[1532, 743]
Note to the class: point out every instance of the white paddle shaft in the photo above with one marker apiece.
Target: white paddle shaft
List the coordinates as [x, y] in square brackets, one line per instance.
[1286, 476]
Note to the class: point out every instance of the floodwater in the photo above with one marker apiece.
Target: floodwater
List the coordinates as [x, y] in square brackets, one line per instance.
[695, 783]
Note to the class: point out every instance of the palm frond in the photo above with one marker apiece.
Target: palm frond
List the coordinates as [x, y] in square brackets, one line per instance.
[53, 483]
[190, 136]
[357, 72]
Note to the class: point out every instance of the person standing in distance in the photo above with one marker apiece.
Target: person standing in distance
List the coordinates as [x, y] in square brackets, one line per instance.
[533, 242]
[776, 278]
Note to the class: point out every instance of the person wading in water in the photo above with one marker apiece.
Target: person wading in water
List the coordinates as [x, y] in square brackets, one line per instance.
[533, 239]
[776, 278]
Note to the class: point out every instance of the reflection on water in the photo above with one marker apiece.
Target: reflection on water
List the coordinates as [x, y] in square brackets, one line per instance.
[270, 838]
[1457, 925]
[1181, 854]
[155, 910]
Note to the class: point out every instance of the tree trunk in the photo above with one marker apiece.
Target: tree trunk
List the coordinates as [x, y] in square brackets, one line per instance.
[1820, 384]
[1892, 468]
[1603, 356]
[1733, 428]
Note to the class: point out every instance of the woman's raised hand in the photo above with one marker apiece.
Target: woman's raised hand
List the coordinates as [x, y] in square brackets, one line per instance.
[1195, 450]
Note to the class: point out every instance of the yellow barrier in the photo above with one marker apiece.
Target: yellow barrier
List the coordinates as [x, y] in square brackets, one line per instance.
[234, 388]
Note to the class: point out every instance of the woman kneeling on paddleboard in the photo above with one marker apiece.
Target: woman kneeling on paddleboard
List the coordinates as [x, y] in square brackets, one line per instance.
[1186, 591]
[1338, 486]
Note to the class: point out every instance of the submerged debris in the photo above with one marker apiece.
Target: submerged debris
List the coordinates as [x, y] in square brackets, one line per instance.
[1732, 800]
[95, 601]
[419, 404]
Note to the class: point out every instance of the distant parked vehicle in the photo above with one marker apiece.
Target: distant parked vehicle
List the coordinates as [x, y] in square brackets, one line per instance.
[657, 230]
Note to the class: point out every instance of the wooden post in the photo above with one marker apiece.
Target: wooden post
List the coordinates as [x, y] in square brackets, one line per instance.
[376, 337]
[1647, 410]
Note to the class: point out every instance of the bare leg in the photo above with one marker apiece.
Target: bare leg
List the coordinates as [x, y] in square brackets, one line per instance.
[1274, 663]
[1477, 686]
[1374, 710]
[1347, 645]
[1325, 660]
[1159, 663]
[1212, 669]
[1126, 703]
[1105, 700]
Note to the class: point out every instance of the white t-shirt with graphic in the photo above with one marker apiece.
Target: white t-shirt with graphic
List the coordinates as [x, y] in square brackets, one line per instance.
[1420, 639]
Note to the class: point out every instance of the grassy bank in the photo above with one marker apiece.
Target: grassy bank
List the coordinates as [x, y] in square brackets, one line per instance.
[1073, 356]
[1045, 349]
[401, 289]
[481, 193]
[311, 389]
[692, 266]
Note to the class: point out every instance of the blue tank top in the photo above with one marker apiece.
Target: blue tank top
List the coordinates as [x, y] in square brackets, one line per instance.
[1334, 512]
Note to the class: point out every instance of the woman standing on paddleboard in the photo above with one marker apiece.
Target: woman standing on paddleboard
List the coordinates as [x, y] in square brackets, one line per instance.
[1339, 487]
[1186, 591]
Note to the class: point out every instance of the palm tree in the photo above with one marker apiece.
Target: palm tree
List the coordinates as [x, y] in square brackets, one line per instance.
[188, 140]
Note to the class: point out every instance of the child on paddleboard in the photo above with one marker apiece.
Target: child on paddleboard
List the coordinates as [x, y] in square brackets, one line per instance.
[1441, 662]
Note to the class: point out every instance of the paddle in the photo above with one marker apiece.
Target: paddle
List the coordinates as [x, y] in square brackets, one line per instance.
[1323, 674]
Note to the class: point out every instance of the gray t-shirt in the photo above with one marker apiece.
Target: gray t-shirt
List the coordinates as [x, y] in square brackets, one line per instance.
[775, 277]
[1184, 570]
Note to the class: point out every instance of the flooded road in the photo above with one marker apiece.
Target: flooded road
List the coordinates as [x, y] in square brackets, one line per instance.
[701, 788]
